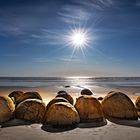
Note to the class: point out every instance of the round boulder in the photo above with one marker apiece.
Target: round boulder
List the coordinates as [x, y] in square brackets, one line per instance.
[57, 99]
[118, 105]
[100, 98]
[86, 92]
[28, 95]
[111, 92]
[32, 110]
[137, 105]
[7, 108]
[66, 96]
[89, 109]
[15, 95]
[61, 113]
[61, 92]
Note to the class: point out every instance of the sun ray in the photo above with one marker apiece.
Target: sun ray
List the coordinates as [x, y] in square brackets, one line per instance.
[84, 56]
[78, 37]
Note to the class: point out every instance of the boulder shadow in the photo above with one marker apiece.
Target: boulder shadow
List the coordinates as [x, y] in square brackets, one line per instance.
[132, 123]
[92, 124]
[58, 128]
[14, 122]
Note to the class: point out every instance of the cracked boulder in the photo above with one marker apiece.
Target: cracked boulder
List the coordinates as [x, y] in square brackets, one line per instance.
[137, 105]
[55, 100]
[31, 110]
[15, 95]
[118, 105]
[7, 108]
[28, 95]
[65, 95]
[89, 109]
[61, 113]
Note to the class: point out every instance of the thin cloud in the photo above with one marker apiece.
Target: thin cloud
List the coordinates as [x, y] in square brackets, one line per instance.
[97, 4]
[73, 14]
[64, 58]
[49, 37]
[103, 5]
[24, 20]
[42, 60]
[69, 59]
[138, 3]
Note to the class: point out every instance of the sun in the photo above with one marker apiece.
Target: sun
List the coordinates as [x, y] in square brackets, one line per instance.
[79, 38]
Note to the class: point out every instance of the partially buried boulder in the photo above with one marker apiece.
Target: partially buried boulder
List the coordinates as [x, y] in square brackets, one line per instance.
[86, 92]
[61, 113]
[31, 110]
[111, 92]
[61, 92]
[100, 98]
[89, 109]
[15, 95]
[118, 105]
[65, 95]
[6, 109]
[55, 100]
[137, 105]
[28, 95]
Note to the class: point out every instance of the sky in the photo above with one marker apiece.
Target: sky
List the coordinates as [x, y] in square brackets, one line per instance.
[33, 38]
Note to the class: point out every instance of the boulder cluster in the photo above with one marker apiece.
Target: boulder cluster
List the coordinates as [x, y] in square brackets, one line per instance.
[62, 110]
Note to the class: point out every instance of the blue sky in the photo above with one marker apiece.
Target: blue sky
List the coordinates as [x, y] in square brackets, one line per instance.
[32, 37]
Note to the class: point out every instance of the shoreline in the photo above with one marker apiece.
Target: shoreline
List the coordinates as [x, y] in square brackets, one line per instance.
[50, 92]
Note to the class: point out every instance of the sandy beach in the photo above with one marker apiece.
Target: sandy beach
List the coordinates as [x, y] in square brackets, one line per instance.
[69, 70]
[113, 129]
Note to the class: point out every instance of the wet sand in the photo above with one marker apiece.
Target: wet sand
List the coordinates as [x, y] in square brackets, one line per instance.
[50, 92]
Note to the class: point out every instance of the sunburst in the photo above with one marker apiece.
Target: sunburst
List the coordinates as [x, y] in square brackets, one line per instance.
[78, 38]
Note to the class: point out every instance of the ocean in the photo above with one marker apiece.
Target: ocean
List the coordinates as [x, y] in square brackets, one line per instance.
[49, 86]
[72, 81]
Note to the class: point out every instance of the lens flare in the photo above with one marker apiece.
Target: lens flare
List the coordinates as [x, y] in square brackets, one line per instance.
[78, 38]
